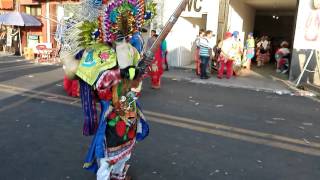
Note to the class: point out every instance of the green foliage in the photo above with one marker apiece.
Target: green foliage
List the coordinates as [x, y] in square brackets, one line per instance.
[152, 7]
[87, 29]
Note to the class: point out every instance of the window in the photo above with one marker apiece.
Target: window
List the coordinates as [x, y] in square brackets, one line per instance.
[34, 10]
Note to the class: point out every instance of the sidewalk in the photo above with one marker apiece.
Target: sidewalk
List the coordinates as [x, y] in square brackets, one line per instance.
[252, 80]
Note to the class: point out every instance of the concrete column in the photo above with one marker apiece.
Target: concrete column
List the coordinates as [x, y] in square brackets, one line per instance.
[212, 16]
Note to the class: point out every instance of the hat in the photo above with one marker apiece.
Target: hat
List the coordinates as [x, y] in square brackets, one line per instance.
[235, 33]
[284, 43]
[227, 35]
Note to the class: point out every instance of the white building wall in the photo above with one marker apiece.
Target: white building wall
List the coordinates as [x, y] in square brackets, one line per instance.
[181, 38]
[241, 18]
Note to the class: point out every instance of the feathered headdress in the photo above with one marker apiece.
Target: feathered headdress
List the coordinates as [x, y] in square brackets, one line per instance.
[124, 16]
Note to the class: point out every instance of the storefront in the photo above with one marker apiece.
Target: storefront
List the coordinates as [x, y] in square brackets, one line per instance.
[48, 13]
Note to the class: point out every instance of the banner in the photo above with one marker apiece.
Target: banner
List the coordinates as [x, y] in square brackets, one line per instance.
[307, 34]
[194, 9]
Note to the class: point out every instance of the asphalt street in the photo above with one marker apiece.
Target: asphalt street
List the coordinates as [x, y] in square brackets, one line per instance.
[198, 131]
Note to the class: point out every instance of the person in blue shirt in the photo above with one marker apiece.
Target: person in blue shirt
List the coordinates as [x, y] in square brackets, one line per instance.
[164, 53]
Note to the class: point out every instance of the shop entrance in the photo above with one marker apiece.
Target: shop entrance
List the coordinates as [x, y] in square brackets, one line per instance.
[265, 18]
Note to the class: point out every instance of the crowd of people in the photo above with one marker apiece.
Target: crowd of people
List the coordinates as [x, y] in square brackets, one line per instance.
[231, 56]
[228, 57]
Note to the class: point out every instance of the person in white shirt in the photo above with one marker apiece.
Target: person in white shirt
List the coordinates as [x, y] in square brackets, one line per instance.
[196, 53]
[205, 53]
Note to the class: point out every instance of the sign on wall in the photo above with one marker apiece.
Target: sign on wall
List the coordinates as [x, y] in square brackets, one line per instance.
[308, 25]
[194, 9]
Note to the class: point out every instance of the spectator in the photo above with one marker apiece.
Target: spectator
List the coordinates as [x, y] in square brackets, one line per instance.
[3, 38]
[164, 52]
[151, 39]
[205, 53]
[196, 54]
[216, 51]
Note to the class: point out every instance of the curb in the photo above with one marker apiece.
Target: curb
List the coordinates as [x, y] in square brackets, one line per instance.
[216, 83]
[293, 91]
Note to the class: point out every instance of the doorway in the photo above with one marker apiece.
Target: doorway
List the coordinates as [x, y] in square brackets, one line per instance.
[272, 18]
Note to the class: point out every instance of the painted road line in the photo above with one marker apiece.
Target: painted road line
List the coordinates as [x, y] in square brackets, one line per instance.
[233, 129]
[28, 97]
[14, 61]
[231, 135]
[209, 128]
[25, 67]
[27, 91]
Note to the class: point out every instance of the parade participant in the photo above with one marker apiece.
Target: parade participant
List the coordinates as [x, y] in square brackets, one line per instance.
[230, 51]
[249, 51]
[71, 87]
[111, 70]
[236, 53]
[263, 53]
[156, 70]
[282, 57]
[108, 70]
[223, 57]
[197, 51]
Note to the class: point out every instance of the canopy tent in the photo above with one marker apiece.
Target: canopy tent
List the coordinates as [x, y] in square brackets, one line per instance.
[19, 19]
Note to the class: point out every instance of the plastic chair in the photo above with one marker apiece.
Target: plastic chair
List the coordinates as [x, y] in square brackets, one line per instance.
[42, 54]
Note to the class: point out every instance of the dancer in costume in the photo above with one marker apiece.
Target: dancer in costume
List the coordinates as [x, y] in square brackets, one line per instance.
[71, 87]
[282, 57]
[111, 76]
[156, 69]
[249, 51]
[225, 56]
